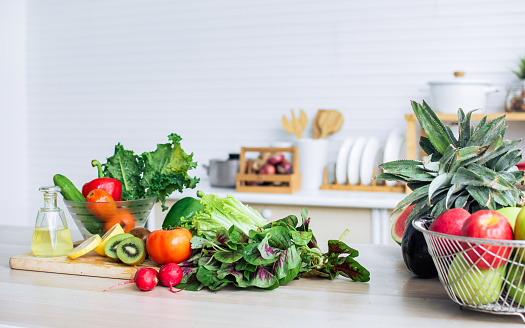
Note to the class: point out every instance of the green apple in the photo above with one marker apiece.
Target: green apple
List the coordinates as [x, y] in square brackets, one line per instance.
[519, 226]
[510, 213]
[516, 285]
[472, 285]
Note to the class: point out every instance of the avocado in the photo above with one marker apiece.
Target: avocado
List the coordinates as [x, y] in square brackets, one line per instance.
[415, 253]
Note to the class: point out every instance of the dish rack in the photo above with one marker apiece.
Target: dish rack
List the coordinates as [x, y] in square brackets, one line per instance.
[484, 275]
[246, 181]
[376, 185]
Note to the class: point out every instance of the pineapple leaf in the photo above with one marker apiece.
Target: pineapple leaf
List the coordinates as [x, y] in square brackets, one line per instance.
[429, 165]
[433, 127]
[467, 155]
[505, 147]
[413, 197]
[464, 127]
[413, 185]
[480, 125]
[483, 196]
[487, 133]
[490, 178]
[504, 198]
[507, 161]
[397, 166]
[390, 177]
[429, 149]
[421, 208]
[441, 181]
[406, 169]
[439, 207]
[453, 193]
[462, 200]
[448, 158]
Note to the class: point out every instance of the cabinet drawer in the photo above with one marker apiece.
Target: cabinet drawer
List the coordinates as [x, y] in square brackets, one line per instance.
[327, 222]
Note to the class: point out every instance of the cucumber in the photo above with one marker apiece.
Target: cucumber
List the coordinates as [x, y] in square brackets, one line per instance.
[69, 191]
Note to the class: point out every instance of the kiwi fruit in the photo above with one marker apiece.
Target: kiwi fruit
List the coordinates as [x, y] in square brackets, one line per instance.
[111, 246]
[141, 233]
[131, 251]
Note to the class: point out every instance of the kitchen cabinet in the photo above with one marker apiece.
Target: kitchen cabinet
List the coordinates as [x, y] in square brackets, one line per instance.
[365, 214]
[413, 129]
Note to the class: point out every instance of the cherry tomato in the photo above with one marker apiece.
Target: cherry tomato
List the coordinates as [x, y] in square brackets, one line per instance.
[169, 246]
[123, 217]
[100, 203]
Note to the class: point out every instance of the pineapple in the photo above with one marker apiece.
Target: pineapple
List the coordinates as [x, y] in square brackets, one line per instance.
[475, 171]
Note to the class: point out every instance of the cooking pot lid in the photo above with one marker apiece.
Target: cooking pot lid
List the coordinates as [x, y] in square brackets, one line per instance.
[459, 79]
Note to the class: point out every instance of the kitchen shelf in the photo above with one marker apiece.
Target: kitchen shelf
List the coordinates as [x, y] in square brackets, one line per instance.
[412, 127]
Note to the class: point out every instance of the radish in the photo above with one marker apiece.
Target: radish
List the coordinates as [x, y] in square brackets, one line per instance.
[170, 275]
[145, 279]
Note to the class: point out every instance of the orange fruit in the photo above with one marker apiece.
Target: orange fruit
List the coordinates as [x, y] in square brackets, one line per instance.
[101, 204]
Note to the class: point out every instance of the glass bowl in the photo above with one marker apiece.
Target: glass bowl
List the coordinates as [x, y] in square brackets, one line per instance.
[97, 217]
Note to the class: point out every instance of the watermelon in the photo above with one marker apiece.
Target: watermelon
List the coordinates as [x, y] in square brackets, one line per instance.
[398, 226]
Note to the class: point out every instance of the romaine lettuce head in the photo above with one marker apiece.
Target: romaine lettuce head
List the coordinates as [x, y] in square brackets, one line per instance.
[223, 213]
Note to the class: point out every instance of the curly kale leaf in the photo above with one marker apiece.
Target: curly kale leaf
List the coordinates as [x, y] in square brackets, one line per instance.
[126, 167]
[166, 170]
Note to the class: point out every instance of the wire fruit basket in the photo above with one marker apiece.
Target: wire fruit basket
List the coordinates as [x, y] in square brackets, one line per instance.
[485, 275]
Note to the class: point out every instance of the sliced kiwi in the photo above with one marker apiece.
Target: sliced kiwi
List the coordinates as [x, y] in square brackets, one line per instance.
[111, 246]
[131, 251]
[141, 233]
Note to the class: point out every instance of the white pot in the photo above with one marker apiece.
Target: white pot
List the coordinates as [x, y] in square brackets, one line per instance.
[449, 96]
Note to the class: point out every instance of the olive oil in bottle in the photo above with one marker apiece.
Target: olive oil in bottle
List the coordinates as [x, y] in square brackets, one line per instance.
[51, 236]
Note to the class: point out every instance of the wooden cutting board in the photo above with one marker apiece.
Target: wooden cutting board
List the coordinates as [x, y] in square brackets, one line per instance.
[90, 264]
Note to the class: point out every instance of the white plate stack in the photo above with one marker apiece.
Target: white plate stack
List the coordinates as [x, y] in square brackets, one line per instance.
[357, 158]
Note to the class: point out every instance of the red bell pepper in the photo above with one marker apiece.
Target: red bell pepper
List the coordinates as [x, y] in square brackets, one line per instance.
[110, 185]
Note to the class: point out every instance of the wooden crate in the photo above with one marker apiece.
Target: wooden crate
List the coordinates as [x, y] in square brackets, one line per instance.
[377, 185]
[291, 182]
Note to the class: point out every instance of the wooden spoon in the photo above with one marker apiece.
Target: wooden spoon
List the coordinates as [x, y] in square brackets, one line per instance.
[296, 126]
[315, 124]
[330, 122]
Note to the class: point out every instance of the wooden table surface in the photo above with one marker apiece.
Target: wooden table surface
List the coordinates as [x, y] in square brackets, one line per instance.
[392, 298]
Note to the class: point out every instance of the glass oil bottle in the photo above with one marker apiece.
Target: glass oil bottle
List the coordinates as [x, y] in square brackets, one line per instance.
[51, 237]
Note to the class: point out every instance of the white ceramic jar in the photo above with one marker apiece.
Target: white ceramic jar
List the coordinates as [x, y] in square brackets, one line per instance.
[449, 96]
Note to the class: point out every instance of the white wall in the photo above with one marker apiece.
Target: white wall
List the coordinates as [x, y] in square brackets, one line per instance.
[222, 73]
[13, 120]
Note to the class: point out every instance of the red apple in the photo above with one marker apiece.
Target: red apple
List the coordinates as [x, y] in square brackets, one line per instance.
[450, 222]
[489, 225]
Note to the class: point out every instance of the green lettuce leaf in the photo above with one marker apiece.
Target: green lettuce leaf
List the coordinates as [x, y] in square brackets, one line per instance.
[223, 213]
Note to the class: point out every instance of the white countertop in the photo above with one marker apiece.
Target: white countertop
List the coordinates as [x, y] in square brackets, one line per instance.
[393, 298]
[329, 198]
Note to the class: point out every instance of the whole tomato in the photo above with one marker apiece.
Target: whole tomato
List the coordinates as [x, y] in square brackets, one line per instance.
[169, 246]
[100, 203]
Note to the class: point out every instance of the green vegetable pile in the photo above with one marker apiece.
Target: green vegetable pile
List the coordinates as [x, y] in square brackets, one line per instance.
[265, 256]
[222, 213]
[153, 174]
